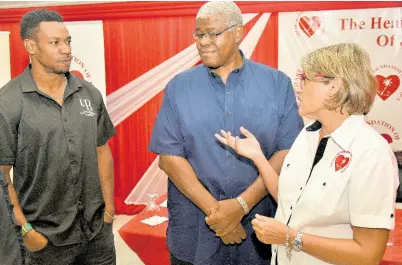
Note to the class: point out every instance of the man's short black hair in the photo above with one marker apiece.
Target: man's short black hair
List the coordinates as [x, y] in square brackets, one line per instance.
[31, 20]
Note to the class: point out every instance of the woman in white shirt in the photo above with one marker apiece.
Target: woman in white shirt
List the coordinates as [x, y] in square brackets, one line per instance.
[337, 188]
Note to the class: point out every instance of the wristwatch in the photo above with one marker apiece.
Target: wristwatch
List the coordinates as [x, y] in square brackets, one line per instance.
[297, 243]
[25, 229]
[243, 204]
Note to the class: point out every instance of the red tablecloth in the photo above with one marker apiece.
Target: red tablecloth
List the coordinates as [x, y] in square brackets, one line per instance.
[393, 253]
[150, 242]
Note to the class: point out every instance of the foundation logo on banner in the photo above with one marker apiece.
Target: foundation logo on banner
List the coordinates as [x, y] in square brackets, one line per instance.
[386, 129]
[389, 79]
[309, 25]
[78, 68]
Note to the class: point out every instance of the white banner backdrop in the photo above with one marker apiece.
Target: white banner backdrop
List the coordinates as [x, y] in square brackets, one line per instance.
[378, 31]
[88, 52]
[5, 71]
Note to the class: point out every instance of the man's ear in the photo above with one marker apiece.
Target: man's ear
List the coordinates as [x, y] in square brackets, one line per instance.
[239, 33]
[30, 46]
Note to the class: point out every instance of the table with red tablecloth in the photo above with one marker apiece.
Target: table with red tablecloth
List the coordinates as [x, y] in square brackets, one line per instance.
[393, 253]
[149, 242]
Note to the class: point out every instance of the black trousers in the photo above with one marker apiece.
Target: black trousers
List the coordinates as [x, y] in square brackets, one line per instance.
[98, 251]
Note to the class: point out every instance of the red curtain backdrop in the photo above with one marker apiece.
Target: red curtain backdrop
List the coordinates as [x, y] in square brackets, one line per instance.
[139, 36]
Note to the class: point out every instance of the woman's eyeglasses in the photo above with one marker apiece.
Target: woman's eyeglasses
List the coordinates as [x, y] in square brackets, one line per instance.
[303, 78]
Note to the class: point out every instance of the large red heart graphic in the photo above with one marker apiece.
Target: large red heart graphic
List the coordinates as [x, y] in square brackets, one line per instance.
[77, 73]
[309, 25]
[387, 137]
[340, 162]
[387, 85]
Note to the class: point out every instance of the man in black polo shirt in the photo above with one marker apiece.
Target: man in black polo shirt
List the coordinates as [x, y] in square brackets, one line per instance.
[54, 129]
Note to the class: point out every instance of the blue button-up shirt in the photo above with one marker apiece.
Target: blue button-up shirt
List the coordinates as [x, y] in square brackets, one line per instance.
[196, 105]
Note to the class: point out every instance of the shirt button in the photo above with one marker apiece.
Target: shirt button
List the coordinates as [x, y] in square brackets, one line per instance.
[65, 120]
[301, 188]
[73, 162]
[70, 140]
[392, 215]
[227, 93]
[291, 207]
[324, 184]
[229, 113]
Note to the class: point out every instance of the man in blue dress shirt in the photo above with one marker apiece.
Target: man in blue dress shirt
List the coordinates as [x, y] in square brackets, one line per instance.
[226, 92]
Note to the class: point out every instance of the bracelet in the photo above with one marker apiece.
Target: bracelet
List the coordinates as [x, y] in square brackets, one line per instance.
[243, 204]
[25, 229]
[109, 215]
[288, 249]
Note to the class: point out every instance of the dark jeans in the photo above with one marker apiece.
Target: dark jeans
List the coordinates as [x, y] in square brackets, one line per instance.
[99, 251]
[174, 261]
[10, 240]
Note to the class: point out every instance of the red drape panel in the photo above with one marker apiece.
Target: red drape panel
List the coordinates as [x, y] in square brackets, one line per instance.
[133, 47]
[139, 36]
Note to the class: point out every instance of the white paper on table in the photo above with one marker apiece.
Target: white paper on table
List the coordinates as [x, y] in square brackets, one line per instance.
[163, 204]
[154, 220]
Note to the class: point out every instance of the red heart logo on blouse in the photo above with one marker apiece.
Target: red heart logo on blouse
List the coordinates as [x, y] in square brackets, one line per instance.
[341, 162]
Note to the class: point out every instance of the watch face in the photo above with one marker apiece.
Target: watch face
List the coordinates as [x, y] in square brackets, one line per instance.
[297, 244]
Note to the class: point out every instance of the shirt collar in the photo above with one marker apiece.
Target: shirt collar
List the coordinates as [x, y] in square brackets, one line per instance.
[344, 134]
[239, 70]
[28, 84]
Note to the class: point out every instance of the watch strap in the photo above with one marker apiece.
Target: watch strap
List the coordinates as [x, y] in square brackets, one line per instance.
[25, 228]
[243, 204]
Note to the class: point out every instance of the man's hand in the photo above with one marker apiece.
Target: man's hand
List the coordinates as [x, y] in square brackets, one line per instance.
[235, 237]
[35, 241]
[107, 219]
[226, 217]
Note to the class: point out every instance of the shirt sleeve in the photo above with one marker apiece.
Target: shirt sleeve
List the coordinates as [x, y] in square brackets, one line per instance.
[291, 123]
[372, 190]
[166, 137]
[8, 138]
[105, 126]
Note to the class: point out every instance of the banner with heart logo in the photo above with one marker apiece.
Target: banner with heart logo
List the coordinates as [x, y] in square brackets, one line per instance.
[88, 52]
[378, 31]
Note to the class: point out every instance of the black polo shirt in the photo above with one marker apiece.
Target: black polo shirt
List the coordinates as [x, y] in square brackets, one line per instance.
[53, 152]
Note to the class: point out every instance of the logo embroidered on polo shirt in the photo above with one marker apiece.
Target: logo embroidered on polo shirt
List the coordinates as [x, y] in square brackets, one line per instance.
[342, 161]
[86, 103]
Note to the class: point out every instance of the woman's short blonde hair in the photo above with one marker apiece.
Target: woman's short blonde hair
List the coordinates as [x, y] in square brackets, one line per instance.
[351, 64]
